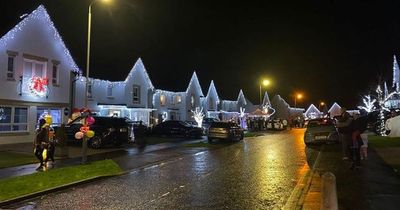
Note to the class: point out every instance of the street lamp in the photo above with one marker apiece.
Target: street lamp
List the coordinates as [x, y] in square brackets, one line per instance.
[298, 96]
[321, 104]
[84, 143]
[265, 83]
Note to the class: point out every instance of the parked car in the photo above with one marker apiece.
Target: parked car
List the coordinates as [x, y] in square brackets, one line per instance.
[108, 131]
[320, 131]
[276, 124]
[177, 128]
[225, 130]
[207, 123]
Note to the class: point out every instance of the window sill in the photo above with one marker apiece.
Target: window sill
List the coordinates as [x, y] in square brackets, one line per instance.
[110, 97]
[14, 133]
[11, 79]
[56, 85]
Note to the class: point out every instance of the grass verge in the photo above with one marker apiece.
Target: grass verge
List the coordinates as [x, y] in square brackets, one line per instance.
[10, 159]
[24, 185]
[383, 141]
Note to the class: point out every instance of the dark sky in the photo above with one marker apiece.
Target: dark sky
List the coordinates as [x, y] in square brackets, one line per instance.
[329, 50]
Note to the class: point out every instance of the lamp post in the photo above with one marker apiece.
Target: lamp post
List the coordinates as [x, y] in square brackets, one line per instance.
[265, 82]
[321, 104]
[84, 143]
[297, 96]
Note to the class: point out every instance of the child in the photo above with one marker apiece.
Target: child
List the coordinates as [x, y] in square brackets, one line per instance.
[364, 147]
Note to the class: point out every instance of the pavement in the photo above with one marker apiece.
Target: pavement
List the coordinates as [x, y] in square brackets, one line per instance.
[128, 157]
[374, 186]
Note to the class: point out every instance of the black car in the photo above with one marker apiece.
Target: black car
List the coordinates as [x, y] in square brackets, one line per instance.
[108, 131]
[225, 130]
[177, 128]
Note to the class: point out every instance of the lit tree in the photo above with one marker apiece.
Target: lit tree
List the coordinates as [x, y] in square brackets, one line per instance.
[198, 116]
[242, 116]
[368, 104]
[382, 99]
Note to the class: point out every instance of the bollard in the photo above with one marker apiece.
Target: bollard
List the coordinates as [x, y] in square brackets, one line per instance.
[328, 192]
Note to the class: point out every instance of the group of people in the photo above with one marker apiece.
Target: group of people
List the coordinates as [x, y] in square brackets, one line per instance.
[354, 137]
[44, 144]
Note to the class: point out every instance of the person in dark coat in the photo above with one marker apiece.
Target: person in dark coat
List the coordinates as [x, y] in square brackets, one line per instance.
[345, 132]
[40, 142]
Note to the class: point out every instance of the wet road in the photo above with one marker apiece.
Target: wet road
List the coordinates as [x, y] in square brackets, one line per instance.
[257, 173]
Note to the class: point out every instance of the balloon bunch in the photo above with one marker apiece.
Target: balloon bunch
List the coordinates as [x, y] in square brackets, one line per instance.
[85, 129]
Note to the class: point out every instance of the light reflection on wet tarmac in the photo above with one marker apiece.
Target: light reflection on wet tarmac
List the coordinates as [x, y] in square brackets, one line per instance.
[258, 173]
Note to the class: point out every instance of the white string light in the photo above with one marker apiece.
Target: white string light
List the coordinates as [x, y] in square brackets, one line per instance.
[40, 14]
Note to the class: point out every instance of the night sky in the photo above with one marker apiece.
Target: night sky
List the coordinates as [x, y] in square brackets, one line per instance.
[329, 50]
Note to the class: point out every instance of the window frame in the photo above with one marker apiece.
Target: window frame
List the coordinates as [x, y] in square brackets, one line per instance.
[109, 91]
[12, 123]
[11, 55]
[162, 99]
[136, 99]
[34, 62]
[55, 81]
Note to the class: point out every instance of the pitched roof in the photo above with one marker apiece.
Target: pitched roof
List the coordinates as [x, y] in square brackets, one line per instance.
[333, 107]
[241, 97]
[212, 89]
[139, 67]
[39, 14]
[312, 108]
[195, 81]
[266, 100]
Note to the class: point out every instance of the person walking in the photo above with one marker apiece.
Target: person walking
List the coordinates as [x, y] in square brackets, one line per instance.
[40, 142]
[345, 131]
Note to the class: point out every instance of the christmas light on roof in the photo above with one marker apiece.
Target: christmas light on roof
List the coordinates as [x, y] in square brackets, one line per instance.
[40, 14]
[196, 82]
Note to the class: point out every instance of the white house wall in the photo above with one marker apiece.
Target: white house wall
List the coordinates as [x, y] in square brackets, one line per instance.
[36, 38]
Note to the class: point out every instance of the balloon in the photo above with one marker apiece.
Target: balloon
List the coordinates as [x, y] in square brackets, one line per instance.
[90, 133]
[84, 129]
[78, 135]
[48, 119]
[90, 120]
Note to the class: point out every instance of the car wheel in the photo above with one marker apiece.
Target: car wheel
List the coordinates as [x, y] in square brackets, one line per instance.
[210, 140]
[187, 135]
[95, 142]
[242, 137]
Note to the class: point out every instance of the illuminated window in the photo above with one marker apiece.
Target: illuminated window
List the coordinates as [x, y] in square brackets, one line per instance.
[136, 94]
[162, 100]
[34, 68]
[192, 100]
[13, 119]
[178, 99]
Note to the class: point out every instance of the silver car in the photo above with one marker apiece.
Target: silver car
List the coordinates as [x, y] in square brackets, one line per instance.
[321, 130]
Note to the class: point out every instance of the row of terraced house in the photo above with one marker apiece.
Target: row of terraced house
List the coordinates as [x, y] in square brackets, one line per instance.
[38, 75]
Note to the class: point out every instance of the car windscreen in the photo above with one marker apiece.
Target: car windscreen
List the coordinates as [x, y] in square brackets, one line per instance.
[221, 125]
[317, 123]
[110, 121]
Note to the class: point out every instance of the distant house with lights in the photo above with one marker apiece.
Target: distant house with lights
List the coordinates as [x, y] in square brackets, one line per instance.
[394, 100]
[211, 102]
[36, 70]
[312, 112]
[131, 98]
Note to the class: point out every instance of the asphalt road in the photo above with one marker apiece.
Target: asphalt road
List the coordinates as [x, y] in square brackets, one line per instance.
[257, 173]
